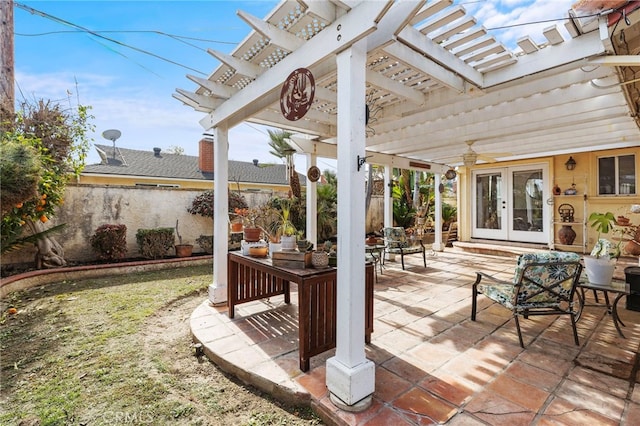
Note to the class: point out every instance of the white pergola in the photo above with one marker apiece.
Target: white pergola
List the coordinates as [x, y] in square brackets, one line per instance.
[433, 79]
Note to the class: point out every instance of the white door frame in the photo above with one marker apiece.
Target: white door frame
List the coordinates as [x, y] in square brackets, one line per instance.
[500, 225]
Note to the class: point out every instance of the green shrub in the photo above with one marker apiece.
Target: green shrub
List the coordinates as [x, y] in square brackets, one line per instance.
[110, 241]
[206, 243]
[155, 243]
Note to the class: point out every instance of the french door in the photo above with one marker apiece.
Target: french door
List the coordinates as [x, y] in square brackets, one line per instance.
[508, 204]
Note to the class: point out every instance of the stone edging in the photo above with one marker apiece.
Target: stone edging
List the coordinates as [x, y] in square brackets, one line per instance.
[44, 276]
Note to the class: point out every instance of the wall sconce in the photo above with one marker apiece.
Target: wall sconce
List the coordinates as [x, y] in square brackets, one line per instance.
[570, 164]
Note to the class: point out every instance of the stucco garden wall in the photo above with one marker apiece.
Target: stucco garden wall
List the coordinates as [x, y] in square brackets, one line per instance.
[87, 207]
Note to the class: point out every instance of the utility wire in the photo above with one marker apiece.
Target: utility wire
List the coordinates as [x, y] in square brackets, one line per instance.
[173, 36]
[96, 34]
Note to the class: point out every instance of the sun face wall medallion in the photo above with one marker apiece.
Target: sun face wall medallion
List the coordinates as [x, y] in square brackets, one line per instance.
[297, 94]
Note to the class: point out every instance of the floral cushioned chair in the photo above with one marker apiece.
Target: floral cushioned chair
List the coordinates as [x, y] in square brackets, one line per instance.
[397, 243]
[544, 284]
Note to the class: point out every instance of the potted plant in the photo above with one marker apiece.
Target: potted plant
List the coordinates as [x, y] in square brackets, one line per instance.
[252, 232]
[287, 230]
[182, 250]
[601, 264]
[236, 222]
[320, 257]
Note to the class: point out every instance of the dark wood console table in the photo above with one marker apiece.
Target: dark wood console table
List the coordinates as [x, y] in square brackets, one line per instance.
[256, 278]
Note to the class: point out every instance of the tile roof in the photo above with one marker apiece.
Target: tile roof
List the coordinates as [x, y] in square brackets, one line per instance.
[131, 162]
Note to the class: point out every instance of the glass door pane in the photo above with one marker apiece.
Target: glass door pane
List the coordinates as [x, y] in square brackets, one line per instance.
[527, 207]
[489, 206]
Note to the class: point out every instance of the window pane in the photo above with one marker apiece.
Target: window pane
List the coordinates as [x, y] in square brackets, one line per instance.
[627, 174]
[606, 175]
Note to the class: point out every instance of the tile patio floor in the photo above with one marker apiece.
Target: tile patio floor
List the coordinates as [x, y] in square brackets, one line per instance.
[434, 365]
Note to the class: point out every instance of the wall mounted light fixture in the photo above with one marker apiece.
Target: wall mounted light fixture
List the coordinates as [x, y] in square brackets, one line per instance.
[570, 164]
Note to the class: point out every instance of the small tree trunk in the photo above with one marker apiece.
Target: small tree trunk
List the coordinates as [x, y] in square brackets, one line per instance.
[50, 253]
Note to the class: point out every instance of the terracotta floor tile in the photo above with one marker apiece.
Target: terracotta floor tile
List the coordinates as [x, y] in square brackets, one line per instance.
[534, 376]
[423, 404]
[604, 382]
[464, 419]
[448, 388]
[589, 398]
[563, 412]
[387, 417]
[314, 382]
[473, 369]
[432, 354]
[389, 385]
[361, 417]
[498, 411]
[520, 393]
[398, 341]
[550, 357]
[406, 367]
[632, 415]
[606, 365]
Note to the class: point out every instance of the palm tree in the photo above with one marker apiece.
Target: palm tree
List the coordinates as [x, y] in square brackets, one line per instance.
[280, 148]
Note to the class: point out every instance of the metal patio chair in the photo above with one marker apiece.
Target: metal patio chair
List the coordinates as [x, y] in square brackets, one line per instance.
[396, 242]
[544, 283]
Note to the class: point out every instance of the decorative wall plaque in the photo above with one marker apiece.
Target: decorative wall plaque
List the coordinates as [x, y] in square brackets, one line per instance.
[297, 94]
[313, 174]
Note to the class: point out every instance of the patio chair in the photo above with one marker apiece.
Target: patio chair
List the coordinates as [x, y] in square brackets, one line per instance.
[396, 242]
[544, 283]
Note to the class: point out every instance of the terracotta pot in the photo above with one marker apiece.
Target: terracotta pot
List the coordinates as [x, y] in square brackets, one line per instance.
[236, 227]
[632, 247]
[252, 234]
[184, 250]
[566, 235]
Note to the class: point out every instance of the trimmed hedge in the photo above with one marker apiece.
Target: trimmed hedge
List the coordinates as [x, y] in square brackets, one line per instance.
[110, 241]
[155, 243]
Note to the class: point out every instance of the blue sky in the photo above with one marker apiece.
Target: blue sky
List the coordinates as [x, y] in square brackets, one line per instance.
[131, 91]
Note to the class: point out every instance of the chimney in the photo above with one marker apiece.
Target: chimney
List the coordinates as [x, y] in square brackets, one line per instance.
[156, 152]
[205, 155]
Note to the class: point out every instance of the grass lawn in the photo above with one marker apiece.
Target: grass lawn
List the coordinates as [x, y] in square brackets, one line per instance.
[117, 350]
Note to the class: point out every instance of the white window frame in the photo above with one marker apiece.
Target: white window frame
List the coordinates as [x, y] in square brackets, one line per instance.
[617, 191]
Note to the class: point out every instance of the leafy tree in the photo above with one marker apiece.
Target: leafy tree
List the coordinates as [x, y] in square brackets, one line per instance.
[203, 203]
[56, 140]
[174, 149]
[327, 206]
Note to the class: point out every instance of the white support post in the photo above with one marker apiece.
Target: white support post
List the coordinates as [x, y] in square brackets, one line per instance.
[312, 205]
[218, 290]
[437, 243]
[350, 375]
[388, 200]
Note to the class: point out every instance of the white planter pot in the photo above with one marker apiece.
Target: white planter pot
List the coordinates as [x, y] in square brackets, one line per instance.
[599, 270]
[288, 243]
[273, 247]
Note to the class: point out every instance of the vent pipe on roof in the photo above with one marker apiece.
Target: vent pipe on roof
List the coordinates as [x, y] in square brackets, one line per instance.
[156, 152]
[255, 162]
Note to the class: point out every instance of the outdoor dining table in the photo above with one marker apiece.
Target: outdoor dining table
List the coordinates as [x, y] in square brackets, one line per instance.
[251, 278]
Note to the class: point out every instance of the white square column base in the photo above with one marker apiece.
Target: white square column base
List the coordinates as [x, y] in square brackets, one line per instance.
[217, 295]
[351, 388]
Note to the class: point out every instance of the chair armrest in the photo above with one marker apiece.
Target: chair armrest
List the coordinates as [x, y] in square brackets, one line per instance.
[481, 275]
